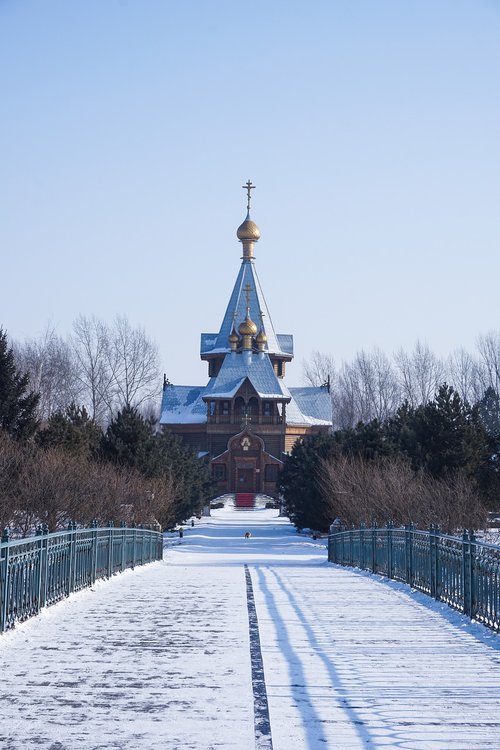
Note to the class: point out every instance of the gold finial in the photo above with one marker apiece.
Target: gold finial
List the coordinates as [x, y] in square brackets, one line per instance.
[248, 186]
[248, 232]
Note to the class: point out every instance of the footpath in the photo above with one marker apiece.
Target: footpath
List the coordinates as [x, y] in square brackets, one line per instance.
[163, 658]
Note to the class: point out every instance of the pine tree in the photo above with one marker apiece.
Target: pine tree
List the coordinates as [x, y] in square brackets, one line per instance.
[298, 482]
[73, 430]
[130, 440]
[18, 405]
[442, 437]
[489, 412]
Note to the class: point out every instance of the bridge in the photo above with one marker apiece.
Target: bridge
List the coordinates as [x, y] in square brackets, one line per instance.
[234, 643]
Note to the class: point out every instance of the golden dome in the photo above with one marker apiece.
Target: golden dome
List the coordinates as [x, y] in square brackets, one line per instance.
[248, 231]
[261, 337]
[233, 337]
[248, 327]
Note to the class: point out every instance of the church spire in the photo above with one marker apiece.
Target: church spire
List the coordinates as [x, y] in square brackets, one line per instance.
[248, 232]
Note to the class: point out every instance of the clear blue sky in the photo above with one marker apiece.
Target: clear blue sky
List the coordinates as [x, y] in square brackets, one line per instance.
[371, 129]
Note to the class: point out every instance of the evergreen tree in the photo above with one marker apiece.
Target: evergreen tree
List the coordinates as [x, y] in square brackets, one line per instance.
[299, 482]
[18, 405]
[73, 430]
[442, 437]
[130, 440]
[489, 412]
[368, 441]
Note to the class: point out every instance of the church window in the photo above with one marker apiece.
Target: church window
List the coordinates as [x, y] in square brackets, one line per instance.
[267, 408]
[212, 408]
[225, 408]
[271, 473]
[239, 407]
[253, 406]
[219, 472]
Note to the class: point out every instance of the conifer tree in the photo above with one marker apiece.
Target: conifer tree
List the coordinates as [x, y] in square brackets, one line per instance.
[130, 440]
[18, 404]
[72, 430]
[299, 482]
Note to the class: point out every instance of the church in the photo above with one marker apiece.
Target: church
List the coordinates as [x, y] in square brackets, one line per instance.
[245, 419]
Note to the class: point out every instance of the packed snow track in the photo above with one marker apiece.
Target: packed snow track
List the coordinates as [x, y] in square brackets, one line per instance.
[163, 657]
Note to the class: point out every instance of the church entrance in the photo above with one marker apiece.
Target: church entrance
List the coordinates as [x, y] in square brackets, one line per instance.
[245, 480]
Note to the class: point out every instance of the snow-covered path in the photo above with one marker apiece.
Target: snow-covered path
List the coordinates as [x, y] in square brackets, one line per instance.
[160, 657]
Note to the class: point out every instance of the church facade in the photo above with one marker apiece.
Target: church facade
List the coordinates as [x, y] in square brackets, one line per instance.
[245, 419]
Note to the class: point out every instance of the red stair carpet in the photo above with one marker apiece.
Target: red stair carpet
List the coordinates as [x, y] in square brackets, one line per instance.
[244, 500]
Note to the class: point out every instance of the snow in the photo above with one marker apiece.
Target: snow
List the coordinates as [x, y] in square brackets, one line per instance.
[159, 657]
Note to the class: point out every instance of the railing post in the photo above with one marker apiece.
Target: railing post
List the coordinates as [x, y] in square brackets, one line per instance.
[134, 545]
[72, 557]
[351, 545]
[466, 570]
[374, 547]
[472, 574]
[4, 579]
[124, 545]
[409, 553]
[437, 563]
[110, 549]
[432, 561]
[93, 572]
[390, 527]
[362, 554]
[141, 527]
[44, 565]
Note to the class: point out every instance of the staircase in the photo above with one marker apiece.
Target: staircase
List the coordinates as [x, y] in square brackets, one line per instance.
[244, 501]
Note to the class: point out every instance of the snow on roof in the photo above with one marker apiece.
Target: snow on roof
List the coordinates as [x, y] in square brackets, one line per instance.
[259, 371]
[185, 404]
[236, 313]
[182, 404]
[310, 405]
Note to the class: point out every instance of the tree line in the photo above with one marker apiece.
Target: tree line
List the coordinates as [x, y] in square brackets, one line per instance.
[71, 468]
[434, 462]
[104, 367]
[373, 385]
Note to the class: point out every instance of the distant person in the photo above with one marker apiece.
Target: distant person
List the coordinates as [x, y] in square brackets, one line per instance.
[181, 532]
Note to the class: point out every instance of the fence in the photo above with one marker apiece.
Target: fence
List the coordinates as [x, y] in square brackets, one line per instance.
[462, 572]
[46, 568]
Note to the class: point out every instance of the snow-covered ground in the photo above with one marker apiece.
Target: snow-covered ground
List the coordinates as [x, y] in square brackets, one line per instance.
[159, 657]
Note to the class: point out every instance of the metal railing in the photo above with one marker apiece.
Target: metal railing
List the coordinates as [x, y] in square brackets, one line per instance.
[46, 568]
[462, 572]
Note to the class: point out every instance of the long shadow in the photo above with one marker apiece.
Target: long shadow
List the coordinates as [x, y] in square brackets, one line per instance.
[298, 678]
[336, 681]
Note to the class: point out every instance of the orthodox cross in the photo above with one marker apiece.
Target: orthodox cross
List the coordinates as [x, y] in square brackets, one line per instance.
[247, 289]
[248, 186]
[246, 419]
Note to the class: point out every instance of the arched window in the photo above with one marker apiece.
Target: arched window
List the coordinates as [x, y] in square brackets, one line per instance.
[239, 408]
[253, 408]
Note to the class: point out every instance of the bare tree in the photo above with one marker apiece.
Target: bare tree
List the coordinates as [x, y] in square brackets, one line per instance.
[420, 374]
[489, 360]
[365, 389]
[319, 369]
[49, 363]
[133, 362]
[362, 491]
[464, 373]
[90, 343]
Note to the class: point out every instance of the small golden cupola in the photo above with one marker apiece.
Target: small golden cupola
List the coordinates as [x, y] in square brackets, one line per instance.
[261, 340]
[234, 340]
[248, 232]
[247, 330]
